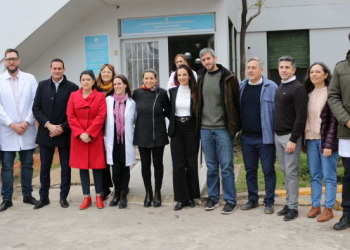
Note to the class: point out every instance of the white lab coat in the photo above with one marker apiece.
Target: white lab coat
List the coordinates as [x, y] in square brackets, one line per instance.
[130, 117]
[9, 139]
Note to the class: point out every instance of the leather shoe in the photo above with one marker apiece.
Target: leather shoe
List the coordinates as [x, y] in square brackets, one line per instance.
[30, 200]
[5, 205]
[64, 203]
[116, 198]
[99, 202]
[148, 198]
[180, 205]
[191, 203]
[314, 211]
[343, 223]
[157, 199]
[291, 215]
[123, 200]
[41, 203]
[105, 194]
[86, 203]
[284, 211]
[250, 205]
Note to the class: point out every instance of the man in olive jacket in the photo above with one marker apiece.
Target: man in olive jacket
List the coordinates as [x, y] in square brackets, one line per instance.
[217, 109]
[49, 108]
[339, 102]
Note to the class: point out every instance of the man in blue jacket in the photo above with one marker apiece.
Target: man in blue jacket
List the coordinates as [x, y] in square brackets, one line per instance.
[257, 95]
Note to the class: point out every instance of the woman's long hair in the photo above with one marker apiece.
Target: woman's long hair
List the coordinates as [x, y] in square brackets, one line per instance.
[99, 80]
[91, 74]
[192, 84]
[125, 81]
[307, 81]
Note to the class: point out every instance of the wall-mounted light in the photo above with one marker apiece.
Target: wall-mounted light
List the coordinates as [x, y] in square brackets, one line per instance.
[198, 61]
[188, 55]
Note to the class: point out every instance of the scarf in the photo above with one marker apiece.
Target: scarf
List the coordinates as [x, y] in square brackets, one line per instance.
[119, 112]
[154, 89]
[177, 84]
[106, 88]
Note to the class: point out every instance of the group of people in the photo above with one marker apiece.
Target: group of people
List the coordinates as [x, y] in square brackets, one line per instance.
[98, 126]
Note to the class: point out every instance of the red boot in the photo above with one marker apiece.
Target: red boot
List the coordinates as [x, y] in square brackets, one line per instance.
[86, 203]
[99, 202]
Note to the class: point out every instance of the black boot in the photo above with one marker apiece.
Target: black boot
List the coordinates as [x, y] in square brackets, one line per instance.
[148, 198]
[105, 193]
[123, 200]
[116, 198]
[157, 199]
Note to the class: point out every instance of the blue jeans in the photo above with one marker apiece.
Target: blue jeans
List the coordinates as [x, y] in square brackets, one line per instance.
[320, 165]
[85, 180]
[8, 159]
[218, 149]
[253, 149]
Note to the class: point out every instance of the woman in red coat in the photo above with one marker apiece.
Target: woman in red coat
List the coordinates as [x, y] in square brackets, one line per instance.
[86, 114]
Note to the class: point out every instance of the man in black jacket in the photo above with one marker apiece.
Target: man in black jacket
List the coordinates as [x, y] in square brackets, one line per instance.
[49, 108]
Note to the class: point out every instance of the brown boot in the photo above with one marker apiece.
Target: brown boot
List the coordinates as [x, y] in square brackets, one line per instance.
[314, 211]
[326, 215]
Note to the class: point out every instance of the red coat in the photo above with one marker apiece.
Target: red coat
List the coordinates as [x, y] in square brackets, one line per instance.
[87, 115]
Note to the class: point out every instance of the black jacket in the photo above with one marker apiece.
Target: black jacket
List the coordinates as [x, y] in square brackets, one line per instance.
[229, 90]
[51, 106]
[173, 94]
[152, 108]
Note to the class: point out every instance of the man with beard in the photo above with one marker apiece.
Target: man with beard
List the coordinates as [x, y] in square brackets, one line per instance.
[18, 128]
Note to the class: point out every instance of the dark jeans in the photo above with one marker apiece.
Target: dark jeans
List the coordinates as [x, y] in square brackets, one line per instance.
[157, 156]
[85, 180]
[346, 187]
[8, 159]
[121, 176]
[253, 149]
[107, 179]
[184, 150]
[46, 157]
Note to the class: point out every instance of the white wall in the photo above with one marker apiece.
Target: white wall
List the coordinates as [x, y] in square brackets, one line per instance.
[329, 46]
[104, 20]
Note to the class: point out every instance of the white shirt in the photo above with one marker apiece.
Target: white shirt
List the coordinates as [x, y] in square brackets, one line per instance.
[57, 84]
[257, 83]
[14, 81]
[344, 147]
[290, 79]
[183, 101]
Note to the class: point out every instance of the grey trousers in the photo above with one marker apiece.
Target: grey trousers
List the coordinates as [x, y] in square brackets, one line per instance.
[289, 163]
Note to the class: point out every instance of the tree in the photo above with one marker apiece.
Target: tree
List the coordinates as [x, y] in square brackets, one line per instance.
[244, 27]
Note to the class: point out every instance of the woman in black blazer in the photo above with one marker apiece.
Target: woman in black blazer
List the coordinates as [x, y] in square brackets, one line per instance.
[184, 142]
[152, 106]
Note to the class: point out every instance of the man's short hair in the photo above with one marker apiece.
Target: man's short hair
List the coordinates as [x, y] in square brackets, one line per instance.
[261, 62]
[287, 59]
[56, 60]
[205, 51]
[11, 50]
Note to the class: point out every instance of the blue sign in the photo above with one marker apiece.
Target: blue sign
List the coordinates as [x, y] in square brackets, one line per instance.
[96, 52]
[204, 23]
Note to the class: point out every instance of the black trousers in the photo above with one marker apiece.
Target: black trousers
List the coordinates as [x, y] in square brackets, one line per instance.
[121, 176]
[157, 156]
[184, 151]
[85, 180]
[346, 187]
[46, 157]
[107, 179]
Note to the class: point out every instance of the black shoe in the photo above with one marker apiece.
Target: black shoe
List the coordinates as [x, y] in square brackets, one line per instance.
[128, 191]
[180, 205]
[5, 205]
[123, 200]
[343, 223]
[64, 203]
[284, 211]
[211, 205]
[116, 198]
[148, 198]
[41, 203]
[291, 215]
[157, 199]
[269, 209]
[250, 205]
[30, 200]
[228, 208]
[191, 203]
[105, 193]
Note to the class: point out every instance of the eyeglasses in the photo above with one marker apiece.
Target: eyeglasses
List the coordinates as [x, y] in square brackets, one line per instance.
[107, 72]
[11, 59]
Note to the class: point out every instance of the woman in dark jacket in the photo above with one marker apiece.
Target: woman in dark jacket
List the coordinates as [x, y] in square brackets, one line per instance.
[184, 142]
[152, 106]
[321, 141]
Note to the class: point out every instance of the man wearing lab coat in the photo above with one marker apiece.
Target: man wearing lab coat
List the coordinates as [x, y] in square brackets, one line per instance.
[17, 128]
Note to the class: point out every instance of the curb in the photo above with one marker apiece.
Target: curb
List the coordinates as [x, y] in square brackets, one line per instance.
[305, 191]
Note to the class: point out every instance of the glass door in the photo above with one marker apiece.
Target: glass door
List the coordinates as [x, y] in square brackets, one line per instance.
[139, 55]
